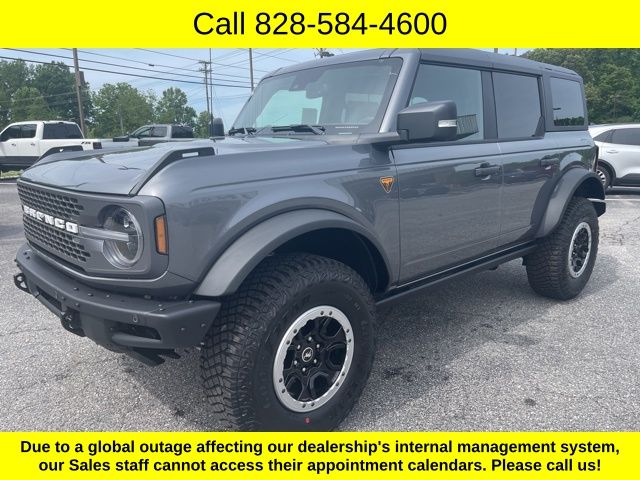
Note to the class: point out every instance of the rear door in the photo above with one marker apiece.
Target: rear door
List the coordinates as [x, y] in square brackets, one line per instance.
[529, 159]
[449, 208]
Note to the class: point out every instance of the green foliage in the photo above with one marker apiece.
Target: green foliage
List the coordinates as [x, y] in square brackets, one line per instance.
[52, 83]
[29, 104]
[47, 92]
[173, 108]
[56, 82]
[13, 75]
[611, 76]
[120, 108]
[201, 129]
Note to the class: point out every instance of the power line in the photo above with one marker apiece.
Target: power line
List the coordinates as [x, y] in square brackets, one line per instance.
[132, 74]
[110, 64]
[188, 58]
[195, 63]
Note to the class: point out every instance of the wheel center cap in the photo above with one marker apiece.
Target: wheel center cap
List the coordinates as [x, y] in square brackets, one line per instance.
[307, 354]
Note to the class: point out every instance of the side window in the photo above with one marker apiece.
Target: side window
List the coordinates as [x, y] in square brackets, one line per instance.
[604, 137]
[72, 131]
[28, 131]
[11, 132]
[626, 136]
[517, 105]
[460, 85]
[568, 104]
[181, 132]
[142, 132]
[158, 132]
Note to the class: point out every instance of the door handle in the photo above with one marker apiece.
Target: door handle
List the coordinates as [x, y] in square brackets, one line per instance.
[486, 170]
[548, 162]
[32, 144]
[611, 151]
[13, 144]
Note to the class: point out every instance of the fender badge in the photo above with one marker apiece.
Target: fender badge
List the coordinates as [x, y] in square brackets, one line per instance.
[387, 183]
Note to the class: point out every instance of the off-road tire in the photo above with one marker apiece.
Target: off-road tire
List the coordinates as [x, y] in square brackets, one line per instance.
[237, 359]
[548, 266]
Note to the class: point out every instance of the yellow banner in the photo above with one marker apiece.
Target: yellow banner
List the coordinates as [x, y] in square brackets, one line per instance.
[335, 456]
[327, 23]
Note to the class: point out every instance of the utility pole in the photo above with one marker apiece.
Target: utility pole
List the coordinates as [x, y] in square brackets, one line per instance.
[78, 91]
[206, 86]
[251, 67]
[211, 97]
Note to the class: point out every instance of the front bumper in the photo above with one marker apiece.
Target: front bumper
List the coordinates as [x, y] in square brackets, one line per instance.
[141, 327]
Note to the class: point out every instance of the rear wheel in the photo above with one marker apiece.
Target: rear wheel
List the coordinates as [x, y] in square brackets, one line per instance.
[293, 348]
[561, 266]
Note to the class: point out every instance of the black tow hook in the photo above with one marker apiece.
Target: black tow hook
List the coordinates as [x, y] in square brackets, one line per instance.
[20, 281]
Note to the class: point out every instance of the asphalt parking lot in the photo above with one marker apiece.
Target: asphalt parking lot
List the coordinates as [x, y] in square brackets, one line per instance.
[479, 353]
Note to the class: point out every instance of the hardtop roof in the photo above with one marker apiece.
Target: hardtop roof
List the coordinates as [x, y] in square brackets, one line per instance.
[460, 56]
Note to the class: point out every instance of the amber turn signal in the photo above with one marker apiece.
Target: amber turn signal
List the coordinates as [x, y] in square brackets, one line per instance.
[161, 235]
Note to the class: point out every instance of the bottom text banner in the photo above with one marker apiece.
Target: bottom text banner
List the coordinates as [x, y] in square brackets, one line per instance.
[338, 456]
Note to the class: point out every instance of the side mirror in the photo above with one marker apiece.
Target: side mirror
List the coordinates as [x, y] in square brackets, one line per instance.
[217, 127]
[430, 121]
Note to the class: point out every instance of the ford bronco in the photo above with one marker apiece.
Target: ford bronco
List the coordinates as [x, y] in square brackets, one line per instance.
[345, 183]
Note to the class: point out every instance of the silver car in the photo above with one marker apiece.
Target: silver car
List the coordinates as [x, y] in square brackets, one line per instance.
[619, 159]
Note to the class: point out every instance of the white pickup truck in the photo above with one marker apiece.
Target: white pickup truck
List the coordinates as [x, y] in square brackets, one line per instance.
[22, 143]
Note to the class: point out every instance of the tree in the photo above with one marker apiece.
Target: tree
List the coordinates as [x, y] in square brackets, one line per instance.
[202, 125]
[29, 104]
[611, 78]
[173, 108]
[13, 75]
[56, 83]
[120, 108]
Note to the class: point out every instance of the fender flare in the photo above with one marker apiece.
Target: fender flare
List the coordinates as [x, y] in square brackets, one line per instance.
[245, 253]
[64, 148]
[575, 179]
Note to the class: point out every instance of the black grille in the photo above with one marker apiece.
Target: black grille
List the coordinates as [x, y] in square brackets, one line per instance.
[62, 206]
[54, 240]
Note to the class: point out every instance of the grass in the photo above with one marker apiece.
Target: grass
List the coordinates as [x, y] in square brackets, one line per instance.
[9, 175]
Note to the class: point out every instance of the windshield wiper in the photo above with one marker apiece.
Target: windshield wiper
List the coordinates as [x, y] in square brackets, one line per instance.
[299, 128]
[244, 130]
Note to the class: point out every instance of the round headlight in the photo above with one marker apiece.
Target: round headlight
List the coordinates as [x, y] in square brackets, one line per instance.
[126, 251]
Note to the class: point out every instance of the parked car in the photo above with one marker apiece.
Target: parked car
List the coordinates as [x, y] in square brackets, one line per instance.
[22, 143]
[345, 184]
[157, 133]
[619, 158]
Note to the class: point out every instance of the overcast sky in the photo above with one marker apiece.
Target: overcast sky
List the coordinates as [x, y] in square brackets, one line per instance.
[178, 68]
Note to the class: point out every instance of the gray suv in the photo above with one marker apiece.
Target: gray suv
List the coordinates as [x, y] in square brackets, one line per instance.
[344, 184]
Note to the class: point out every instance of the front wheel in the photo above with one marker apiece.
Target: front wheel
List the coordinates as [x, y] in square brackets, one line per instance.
[293, 348]
[562, 264]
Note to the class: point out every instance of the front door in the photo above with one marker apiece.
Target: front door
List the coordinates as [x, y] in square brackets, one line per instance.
[450, 207]
[9, 146]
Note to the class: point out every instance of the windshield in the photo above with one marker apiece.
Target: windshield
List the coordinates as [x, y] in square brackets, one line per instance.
[348, 98]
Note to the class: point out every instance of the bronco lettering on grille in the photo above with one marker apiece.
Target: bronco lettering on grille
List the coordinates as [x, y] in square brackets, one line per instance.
[50, 219]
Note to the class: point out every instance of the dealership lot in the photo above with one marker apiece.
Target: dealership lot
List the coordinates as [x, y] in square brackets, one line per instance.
[479, 353]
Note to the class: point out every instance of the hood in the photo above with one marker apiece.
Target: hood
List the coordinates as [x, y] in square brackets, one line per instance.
[122, 172]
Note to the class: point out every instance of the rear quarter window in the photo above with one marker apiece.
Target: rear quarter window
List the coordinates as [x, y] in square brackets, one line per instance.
[567, 102]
